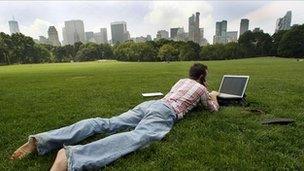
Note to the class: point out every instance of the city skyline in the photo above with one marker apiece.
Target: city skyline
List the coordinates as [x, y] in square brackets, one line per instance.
[152, 12]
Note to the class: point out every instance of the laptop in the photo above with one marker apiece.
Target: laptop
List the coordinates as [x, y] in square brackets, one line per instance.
[233, 86]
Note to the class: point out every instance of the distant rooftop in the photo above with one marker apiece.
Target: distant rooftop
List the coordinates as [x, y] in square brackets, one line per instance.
[118, 22]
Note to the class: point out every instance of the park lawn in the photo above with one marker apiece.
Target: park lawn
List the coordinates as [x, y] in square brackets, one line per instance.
[41, 97]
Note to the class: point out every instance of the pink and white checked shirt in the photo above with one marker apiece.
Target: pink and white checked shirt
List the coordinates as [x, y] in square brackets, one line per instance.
[186, 94]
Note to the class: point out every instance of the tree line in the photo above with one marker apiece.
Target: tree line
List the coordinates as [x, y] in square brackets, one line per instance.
[21, 49]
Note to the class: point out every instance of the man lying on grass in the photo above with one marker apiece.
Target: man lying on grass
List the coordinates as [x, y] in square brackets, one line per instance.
[150, 121]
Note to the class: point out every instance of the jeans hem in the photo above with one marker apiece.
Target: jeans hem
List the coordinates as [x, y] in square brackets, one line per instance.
[68, 153]
[39, 143]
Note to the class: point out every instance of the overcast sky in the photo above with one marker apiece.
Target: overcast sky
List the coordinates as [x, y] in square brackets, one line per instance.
[145, 17]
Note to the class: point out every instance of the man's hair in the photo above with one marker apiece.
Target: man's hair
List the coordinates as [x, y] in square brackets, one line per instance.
[196, 70]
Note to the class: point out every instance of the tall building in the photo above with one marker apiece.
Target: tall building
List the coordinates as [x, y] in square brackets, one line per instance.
[244, 26]
[149, 38]
[119, 32]
[203, 41]
[194, 30]
[53, 36]
[89, 36]
[73, 32]
[220, 32]
[13, 25]
[232, 36]
[142, 39]
[43, 40]
[284, 23]
[173, 32]
[162, 34]
[257, 29]
[104, 35]
[182, 35]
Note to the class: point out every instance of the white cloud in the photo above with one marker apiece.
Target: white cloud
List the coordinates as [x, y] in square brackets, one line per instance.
[266, 16]
[167, 14]
[38, 28]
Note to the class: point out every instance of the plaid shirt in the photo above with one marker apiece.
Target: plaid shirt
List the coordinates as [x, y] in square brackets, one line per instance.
[186, 94]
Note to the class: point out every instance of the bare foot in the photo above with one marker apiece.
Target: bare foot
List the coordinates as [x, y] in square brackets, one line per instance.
[25, 149]
[61, 162]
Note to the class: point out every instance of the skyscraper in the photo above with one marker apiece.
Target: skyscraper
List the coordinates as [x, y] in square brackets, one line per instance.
[73, 32]
[13, 25]
[194, 30]
[89, 36]
[43, 40]
[231, 36]
[119, 32]
[181, 35]
[244, 26]
[173, 32]
[284, 23]
[257, 29]
[220, 32]
[162, 34]
[104, 35]
[53, 36]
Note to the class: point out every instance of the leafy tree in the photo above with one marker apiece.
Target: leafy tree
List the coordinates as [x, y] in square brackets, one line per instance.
[187, 53]
[89, 52]
[212, 52]
[168, 53]
[130, 51]
[276, 37]
[263, 43]
[292, 43]
[107, 51]
[6, 50]
[196, 48]
[247, 44]
[40, 54]
[231, 51]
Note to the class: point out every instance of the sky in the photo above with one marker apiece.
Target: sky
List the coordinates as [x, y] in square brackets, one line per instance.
[145, 17]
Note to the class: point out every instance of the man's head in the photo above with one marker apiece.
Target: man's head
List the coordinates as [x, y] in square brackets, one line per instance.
[199, 73]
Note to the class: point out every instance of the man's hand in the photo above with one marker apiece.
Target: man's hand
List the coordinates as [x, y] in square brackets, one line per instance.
[213, 95]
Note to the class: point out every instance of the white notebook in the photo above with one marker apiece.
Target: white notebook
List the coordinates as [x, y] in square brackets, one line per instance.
[152, 94]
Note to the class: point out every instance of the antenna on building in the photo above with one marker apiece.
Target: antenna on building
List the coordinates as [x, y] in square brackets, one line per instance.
[13, 18]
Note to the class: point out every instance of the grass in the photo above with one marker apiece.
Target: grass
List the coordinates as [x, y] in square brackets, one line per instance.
[41, 97]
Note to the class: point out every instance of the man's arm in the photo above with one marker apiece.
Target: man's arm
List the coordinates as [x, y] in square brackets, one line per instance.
[209, 101]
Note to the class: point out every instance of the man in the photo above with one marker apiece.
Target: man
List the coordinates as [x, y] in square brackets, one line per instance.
[150, 121]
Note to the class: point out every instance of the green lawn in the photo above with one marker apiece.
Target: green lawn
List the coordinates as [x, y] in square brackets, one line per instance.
[36, 98]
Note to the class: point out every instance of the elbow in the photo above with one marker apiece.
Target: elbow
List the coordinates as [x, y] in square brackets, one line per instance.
[215, 108]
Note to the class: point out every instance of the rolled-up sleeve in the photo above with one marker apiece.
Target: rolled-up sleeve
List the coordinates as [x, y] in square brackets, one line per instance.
[209, 104]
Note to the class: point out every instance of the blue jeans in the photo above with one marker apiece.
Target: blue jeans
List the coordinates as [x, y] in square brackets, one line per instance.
[150, 121]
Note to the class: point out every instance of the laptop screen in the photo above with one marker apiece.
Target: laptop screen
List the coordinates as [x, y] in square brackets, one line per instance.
[233, 85]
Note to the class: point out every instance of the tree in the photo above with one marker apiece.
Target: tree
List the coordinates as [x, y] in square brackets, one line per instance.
[196, 49]
[6, 50]
[247, 44]
[131, 51]
[276, 38]
[231, 51]
[292, 43]
[168, 53]
[89, 52]
[107, 51]
[40, 54]
[24, 48]
[263, 43]
[187, 53]
[212, 52]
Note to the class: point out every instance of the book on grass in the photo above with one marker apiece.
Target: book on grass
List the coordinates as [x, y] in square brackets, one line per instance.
[154, 94]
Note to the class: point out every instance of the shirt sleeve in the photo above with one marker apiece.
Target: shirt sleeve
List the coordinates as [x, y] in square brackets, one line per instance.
[207, 103]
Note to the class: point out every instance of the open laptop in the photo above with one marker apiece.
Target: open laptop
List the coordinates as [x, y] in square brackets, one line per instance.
[233, 86]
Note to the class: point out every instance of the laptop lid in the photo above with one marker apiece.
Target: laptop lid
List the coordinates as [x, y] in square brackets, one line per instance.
[234, 85]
